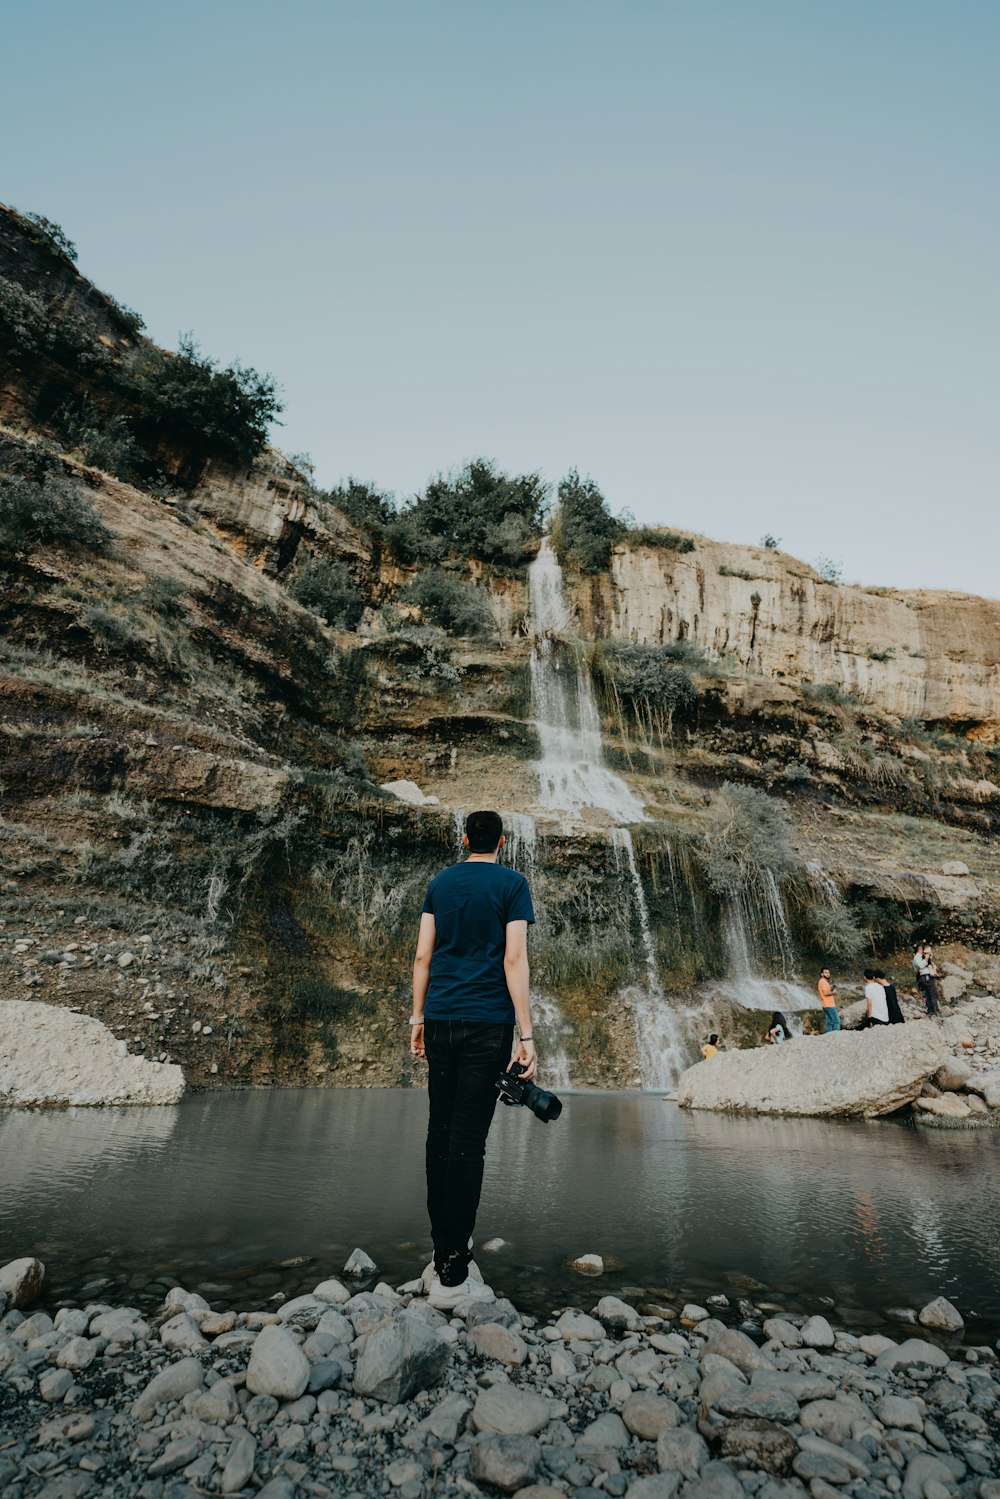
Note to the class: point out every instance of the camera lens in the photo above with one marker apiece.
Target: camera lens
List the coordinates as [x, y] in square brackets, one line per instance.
[544, 1105]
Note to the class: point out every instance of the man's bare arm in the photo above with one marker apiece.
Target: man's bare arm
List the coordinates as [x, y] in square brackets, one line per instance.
[421, 979]
[515, 967]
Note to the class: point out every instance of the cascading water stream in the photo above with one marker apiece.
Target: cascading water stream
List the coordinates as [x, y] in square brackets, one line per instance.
[575, 778]
[572, 772]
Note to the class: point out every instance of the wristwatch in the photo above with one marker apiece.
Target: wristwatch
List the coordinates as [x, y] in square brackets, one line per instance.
[416, 1020]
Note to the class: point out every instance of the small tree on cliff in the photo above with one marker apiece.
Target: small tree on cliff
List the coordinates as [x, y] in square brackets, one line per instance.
[585, 528]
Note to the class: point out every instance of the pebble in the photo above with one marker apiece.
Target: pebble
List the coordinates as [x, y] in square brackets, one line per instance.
[377, 1393]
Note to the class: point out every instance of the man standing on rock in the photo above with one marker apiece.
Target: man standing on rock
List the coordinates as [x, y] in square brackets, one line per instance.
[470, 983]
[828, 999]
[923, 967]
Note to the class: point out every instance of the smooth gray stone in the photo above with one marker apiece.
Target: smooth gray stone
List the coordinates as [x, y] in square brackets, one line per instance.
[646, 1415]
[324, 1373]
[277, 1365]
[507, 1462]
[172, 1383]
[501, 1311]
[608, 1433]
[764, 1404]
[400, 1359]
[508, 1411]
[175, 1455]
[739, 1350]
[682, 1451]
[260, 1410]
[657, 1486]
[239, 1465]
[810, 1465]
[716, 1481]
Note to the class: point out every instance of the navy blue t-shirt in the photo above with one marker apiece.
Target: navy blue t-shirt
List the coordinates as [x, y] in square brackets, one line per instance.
[471, 904]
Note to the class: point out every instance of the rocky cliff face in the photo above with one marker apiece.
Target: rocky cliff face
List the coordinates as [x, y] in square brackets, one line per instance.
[194, 842]
[923, 655]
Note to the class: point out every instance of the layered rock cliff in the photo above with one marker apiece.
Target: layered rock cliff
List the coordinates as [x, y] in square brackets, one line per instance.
[194, 845]
[933, 656]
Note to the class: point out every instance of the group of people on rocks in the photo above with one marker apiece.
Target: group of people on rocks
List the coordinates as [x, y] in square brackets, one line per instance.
[881, 1000]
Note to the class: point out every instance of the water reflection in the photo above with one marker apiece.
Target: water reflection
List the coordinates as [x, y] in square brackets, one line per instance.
[875, 1214]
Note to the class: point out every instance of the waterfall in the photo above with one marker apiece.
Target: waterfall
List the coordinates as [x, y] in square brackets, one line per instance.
[574, 777]
[657, 1032]
[823, 883]
[743, 914]
[572, 771]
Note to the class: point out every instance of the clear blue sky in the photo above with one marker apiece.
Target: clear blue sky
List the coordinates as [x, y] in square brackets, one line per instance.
[737, 259]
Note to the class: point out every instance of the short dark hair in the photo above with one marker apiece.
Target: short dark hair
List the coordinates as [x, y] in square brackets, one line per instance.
[869, 973]
[484, 831]
[880, 973]
[713, 1038]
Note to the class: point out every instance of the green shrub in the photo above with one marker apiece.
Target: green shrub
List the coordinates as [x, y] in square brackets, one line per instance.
[45, 232]
[133, 322]
[187, 400]
[477, 512]
[364, 504]
[50, 507]
[106, 442]
[796, 773]
[651, 683]
[327, 589]
[652, 536]
[25, 325]
[455, 606]
[422, 649]
[735, 572]
[747, 842]
[830, 569]
[112, 629]
[827, 694]
[833, 930]
[585, 529]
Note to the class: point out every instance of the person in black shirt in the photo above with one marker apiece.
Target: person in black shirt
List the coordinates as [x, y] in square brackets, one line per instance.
[470, 985]
[891, 998]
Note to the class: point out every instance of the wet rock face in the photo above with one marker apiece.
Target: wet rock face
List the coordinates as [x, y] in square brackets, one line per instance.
[851, 1074]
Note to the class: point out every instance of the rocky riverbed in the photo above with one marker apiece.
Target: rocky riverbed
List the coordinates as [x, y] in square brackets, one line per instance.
[356, 1392]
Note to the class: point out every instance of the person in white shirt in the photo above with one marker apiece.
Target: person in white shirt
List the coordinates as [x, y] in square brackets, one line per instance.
[923, 967]
[878, 1010]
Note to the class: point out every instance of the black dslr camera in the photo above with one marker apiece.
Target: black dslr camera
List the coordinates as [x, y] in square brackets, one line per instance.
[515, 1091]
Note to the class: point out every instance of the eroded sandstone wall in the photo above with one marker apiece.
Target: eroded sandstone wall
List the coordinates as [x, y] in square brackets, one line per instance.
[926, 654]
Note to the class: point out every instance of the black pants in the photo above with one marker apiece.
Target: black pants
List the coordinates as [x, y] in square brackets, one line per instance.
[927, 985]
[464, 1060]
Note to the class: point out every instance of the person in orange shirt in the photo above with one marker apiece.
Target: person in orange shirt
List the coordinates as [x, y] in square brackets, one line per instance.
[828, 999]
[711, 1047]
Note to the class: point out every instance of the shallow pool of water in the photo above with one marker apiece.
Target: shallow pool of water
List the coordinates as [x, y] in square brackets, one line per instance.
[222, 1188]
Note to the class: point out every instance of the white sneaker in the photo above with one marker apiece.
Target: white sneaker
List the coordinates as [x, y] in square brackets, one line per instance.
[447, 1298]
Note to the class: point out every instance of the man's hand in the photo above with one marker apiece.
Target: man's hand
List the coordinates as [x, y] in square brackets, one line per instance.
[417, 1041]
[524, 1052]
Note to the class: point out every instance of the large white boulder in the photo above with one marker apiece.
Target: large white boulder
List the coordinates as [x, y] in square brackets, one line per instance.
[410, 792]
[850, 1073]
[49, 1055]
